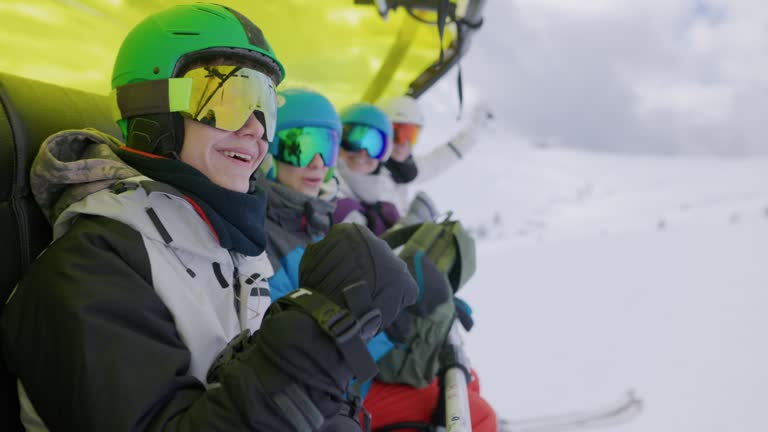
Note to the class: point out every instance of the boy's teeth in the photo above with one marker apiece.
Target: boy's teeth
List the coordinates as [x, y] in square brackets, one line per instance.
[236, 155]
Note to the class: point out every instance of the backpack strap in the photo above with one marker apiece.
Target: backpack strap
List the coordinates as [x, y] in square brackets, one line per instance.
[465, 265]
[447, 244]
[400, 235]
[340, 324]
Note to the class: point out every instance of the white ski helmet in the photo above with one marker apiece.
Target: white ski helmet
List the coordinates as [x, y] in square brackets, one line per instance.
[403, 109]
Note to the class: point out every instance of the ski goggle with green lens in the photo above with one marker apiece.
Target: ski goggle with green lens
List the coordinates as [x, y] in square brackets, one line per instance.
[220, 96]
[358, 137]
[225, 96]
[298, 146]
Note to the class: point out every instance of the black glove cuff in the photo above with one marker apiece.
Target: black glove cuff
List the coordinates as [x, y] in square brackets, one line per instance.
[233, 349]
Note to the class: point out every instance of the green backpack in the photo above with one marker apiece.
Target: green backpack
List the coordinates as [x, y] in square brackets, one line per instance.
[415, 361]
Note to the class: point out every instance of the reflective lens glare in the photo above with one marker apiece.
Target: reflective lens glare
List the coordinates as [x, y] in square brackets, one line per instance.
[225, 96]
[361, 137]
[298, 146]
[406, 133]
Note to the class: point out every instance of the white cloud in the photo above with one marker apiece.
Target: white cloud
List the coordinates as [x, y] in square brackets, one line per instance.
[654, 76]
[702, 105]
[589, 9]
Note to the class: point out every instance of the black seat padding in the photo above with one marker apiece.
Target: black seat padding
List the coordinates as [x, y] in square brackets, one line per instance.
[30, 111]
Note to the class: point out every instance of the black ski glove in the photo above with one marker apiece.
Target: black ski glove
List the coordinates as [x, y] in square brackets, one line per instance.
[352, 256]
[292, 364]
[297, 358]
[464, 313]
[434, 290]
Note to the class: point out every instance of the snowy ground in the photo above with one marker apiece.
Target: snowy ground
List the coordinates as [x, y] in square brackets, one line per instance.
[599, 273]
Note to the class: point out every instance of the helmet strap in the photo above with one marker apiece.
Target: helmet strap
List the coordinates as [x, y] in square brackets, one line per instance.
[160, 134]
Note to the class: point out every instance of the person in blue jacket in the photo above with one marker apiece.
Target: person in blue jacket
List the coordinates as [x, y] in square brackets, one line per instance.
[301, 188]
[304, 152]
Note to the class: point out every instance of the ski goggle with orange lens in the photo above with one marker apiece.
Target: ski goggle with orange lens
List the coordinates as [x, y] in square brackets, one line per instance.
[406, 133]
[225, 97]
[358, 137]
[298, 146]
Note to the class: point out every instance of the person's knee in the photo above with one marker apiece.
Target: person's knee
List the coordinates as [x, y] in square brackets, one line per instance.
[482, 414]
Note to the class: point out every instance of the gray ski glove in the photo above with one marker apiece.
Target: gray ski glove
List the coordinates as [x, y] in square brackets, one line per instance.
[421, 209]
[467, 138]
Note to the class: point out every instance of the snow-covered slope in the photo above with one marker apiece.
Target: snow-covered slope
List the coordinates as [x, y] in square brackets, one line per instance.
[598, 273]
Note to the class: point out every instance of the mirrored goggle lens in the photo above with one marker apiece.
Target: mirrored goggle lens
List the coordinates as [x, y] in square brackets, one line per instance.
[225, 96]
[406, 133]
[298, 146]
[362, 137]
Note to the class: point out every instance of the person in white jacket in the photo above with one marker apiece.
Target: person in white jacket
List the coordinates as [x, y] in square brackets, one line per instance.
[366, 142]
[404, 168]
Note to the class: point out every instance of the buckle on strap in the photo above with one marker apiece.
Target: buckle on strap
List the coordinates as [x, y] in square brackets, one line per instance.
[230, 351]
[358, 301]
[353, 406]
[123, 186]
[339, 324]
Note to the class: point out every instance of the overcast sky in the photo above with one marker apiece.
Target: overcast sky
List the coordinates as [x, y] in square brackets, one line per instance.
[650, 76]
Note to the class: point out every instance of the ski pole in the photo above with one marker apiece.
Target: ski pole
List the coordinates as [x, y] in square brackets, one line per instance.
[455, 377]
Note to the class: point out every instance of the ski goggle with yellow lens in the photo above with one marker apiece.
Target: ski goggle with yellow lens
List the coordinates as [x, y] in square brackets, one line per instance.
[298, 146]
[225, 96]
[406, 133]
[220, 96]
[358, 137]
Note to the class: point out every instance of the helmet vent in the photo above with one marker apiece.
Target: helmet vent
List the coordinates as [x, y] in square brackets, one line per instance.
[255, 36]
[209, 11]
[186, 33]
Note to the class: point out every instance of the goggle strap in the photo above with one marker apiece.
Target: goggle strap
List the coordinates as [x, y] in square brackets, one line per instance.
[151, 97]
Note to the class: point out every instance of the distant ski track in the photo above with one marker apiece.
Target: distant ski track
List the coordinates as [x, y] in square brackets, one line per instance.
[622, 411]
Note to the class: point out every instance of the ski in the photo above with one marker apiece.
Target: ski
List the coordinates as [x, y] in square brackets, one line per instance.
[629, 407]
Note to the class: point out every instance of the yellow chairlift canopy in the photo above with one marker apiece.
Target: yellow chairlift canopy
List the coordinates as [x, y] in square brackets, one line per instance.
[346, 51]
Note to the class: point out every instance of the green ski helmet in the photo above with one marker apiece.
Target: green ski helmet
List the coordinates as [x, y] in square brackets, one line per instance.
[147, 94]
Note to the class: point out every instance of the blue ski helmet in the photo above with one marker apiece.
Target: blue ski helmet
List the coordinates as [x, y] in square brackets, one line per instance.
[370, 115]
[305, 108]
[301, 107]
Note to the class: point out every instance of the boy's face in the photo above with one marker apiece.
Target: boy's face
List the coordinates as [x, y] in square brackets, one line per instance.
[359, 161]
[306, 180]
[401, 151]
[227, 158]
